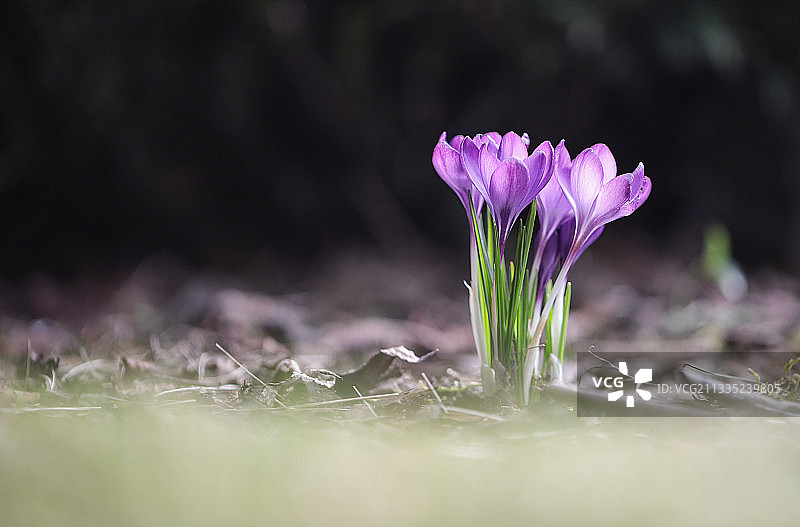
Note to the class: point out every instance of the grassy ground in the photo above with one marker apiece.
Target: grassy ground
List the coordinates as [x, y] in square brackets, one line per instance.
[146, 454]
[196, 466]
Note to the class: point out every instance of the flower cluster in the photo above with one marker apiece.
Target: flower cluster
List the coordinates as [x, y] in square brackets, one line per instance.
[512, 307]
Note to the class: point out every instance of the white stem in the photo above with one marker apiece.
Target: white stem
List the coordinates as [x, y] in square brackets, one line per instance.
[557, 323]
[560, 283]
[532, 359]
[488, 377]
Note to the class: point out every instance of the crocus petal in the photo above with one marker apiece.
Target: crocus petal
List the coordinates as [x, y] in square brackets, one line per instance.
[536, 164]
[584, 184]
[508, 185]
[637, 198]
[552, 206]
[562, 160]
[447, 162]
[547, 149]
[642, 195]
[549, 197]
[512, 146]
[508, 189]
[613, 196]
[492, 148]
[540, 168]
[538, 174]
[470, 154]
[455, 142]
[491, 137]
[608, 161]
[488, 162]
[638, 177]
[526, 139]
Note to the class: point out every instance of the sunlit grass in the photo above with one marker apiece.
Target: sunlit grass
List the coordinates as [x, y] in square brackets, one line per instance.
[195, 466]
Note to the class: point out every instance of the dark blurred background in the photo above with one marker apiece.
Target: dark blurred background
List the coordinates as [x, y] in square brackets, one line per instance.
[225, 130]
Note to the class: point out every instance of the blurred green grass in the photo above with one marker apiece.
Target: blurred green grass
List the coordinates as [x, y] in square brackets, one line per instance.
[189, 466]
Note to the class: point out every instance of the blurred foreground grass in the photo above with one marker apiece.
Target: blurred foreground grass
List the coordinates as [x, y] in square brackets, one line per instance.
[192, 466]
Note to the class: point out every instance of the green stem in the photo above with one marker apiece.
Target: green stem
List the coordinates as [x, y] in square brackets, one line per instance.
[563, 341]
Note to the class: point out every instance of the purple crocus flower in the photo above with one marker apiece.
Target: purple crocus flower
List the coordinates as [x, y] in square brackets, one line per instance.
[447, 162]
[574, 206]
[554, 211]
[506, 176]
[598, 195]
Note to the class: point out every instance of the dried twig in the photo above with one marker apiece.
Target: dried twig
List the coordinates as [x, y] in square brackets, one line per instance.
[223, 388]
[52, 408]
[347, 400]
[253, 375]
[475, 413]
[365, 401]
[435, 393]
